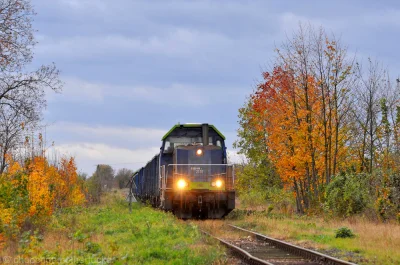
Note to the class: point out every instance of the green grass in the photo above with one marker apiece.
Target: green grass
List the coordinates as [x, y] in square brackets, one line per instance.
[110, 234]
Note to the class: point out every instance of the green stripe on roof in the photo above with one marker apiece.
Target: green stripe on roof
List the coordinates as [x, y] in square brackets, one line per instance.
[192, 125]
[219, 133]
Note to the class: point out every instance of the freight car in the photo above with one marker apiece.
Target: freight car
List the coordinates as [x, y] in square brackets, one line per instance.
[190, 176]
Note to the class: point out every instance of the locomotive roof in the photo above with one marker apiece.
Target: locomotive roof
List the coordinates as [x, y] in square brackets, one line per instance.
[192, 125]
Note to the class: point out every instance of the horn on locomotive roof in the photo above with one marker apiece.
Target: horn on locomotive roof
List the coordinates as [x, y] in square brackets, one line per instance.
[204, 128]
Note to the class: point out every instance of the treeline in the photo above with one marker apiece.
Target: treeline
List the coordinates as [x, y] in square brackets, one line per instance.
[325, 126]
[104, 179]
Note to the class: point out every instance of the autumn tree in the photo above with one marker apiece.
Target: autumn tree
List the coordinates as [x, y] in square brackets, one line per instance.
[22, 93]
[287, 106]
[314, 53]
[69, 188]
[301, 112]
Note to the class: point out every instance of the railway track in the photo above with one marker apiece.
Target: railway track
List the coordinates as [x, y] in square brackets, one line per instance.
[269, 251]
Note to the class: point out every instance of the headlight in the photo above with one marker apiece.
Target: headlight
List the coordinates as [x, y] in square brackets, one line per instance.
[182, 183]
[218, 183]
[199, 152]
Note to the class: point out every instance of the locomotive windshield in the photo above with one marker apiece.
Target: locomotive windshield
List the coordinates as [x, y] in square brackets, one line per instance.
[173, 142]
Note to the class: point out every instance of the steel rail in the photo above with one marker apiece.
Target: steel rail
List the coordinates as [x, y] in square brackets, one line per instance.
[243, 254]
[306, 253]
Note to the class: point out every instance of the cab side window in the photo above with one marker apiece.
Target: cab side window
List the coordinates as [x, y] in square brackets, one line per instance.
[167, 146]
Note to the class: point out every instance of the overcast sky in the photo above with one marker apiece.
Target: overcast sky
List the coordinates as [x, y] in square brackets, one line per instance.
[133, 69]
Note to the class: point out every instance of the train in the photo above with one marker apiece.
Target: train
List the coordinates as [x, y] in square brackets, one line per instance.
[190, 176]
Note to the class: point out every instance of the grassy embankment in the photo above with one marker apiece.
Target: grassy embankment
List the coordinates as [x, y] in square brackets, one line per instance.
[109, 234]
[374, 243]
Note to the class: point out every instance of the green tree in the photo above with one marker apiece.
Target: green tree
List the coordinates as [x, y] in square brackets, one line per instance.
[102, 180]
[122, 177]
[257, 174]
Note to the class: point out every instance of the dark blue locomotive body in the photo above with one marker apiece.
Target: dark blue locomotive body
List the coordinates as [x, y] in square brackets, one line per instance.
[190, 176]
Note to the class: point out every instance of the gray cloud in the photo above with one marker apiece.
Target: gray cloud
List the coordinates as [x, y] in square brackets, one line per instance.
[175, 94]
[139, 66]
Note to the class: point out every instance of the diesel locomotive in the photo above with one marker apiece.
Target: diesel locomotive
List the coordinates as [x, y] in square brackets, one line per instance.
[190, 176]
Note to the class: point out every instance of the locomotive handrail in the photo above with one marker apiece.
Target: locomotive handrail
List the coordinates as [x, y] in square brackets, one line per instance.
[201, 164]
[181, 174]
[229, 177]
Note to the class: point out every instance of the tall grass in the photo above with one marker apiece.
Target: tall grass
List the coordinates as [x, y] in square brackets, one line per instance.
[108, 233]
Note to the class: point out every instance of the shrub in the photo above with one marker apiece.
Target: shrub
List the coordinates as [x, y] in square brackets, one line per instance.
[281, 199]
[91, 247]
[236, 214]
[347, 194]
[30, 193]
[344, 232]
[387, 193]
[270, 208]
[252, 198]
[395, 189]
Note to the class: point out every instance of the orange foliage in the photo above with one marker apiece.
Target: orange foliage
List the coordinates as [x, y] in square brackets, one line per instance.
[37, 189]
[2, 242]
[292, 131]
[51, 187]
[70, 192]
[41, 194]
[287, 109]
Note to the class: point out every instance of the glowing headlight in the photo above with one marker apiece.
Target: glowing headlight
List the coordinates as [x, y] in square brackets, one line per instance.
[199, 152]
[182, 183]
[218, 183]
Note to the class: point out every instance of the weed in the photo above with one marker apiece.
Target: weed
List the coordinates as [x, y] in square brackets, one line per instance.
[79, 236]
[270, 208]
[344, 232]
[236, 215]
[91, 247]
[148, 225]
